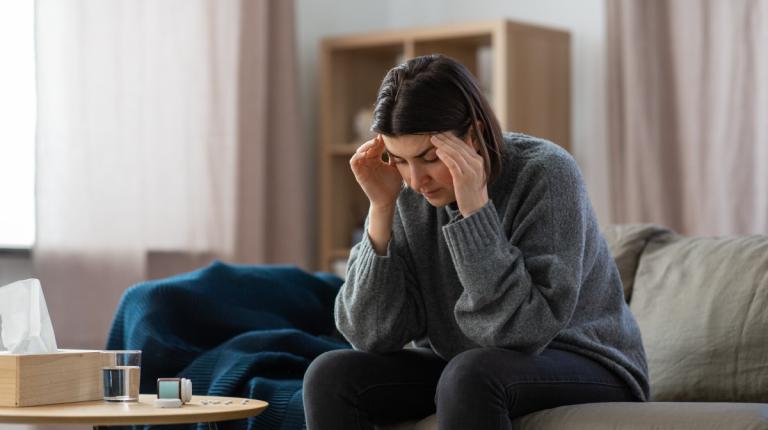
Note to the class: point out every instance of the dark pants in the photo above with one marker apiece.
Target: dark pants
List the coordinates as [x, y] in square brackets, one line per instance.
[484, 388]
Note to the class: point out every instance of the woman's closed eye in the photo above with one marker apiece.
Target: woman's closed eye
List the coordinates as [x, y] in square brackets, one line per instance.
[429, 157]
[425, 159]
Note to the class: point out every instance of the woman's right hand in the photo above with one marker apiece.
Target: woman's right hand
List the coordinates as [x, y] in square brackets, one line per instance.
[380, 181]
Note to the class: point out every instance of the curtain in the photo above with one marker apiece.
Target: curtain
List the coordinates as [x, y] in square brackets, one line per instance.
[688, 114]
[165, 127]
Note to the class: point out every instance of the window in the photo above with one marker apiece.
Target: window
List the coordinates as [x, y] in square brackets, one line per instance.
[17, 124]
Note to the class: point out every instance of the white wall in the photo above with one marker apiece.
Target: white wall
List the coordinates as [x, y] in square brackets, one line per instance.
[14, 266]
[584, 19]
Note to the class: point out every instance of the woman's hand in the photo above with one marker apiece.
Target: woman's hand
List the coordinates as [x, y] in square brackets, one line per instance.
[467, 170]
[380, 181]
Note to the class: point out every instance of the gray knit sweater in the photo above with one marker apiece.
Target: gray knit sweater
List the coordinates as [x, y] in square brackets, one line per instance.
[530, 270]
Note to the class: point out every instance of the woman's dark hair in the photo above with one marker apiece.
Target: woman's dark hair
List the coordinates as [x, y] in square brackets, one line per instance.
[435, 94]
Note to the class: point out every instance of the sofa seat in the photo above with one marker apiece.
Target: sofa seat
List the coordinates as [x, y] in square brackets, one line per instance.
[635, 416]
[651, 415]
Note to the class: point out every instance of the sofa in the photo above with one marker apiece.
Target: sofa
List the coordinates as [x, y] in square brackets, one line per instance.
[702, 307]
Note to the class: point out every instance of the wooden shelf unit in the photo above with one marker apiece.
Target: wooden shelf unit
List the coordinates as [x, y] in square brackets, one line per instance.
[524, 71]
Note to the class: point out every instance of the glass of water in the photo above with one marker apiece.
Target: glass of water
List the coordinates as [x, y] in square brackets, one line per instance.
[121, 375]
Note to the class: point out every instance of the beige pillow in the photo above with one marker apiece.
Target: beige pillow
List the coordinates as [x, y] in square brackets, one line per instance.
[702, 307]
[627, 242]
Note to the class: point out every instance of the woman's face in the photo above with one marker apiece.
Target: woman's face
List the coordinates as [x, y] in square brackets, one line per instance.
[415, 159]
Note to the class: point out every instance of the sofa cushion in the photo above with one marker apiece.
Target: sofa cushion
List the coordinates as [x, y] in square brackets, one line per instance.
[653, 415]
[627, 242]
[700, 304]
[633, 416]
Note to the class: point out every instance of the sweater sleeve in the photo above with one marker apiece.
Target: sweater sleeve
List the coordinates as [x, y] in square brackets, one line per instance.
[379, 307]
[520, 287]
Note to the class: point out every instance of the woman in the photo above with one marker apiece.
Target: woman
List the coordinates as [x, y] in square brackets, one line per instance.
[485, 250]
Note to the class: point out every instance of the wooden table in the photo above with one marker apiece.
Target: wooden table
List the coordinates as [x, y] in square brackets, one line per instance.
[101, 413]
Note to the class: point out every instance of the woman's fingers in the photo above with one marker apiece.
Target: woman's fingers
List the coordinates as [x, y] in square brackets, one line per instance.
[368, 155]
[463, 149]
[361, 154]
[377, 148]
[450, 162]
[371, 148]
[462, 158]
[364, 147]
[450, 140]
[456, 158]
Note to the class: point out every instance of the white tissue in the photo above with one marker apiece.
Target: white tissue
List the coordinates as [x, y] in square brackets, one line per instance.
[25, 326]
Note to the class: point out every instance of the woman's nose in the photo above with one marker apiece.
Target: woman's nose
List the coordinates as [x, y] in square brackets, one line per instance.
[418, 177]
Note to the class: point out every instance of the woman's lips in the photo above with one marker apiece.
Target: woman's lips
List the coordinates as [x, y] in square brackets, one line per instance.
[431, 193]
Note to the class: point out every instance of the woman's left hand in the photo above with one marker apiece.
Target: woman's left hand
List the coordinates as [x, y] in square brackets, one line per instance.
[467, 170]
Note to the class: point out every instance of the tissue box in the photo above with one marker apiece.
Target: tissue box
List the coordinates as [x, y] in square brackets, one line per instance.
[43, 379]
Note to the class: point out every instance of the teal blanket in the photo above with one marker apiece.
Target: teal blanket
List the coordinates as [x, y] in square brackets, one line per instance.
[246, 331]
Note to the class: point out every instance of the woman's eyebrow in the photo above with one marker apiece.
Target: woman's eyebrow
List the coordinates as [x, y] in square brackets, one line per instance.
[423, 153]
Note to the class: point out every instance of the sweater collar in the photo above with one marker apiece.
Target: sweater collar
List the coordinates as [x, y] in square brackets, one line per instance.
[452, 209]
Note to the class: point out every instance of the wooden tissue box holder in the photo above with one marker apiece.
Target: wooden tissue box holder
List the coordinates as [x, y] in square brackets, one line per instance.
[43, 379]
